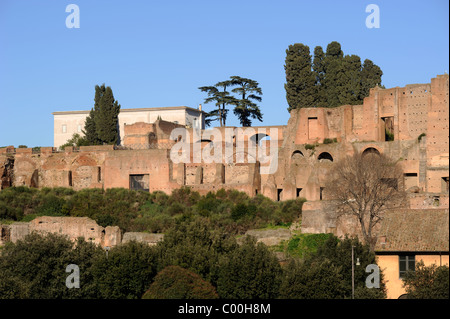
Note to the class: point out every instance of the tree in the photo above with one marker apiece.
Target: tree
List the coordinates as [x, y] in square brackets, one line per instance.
[427, 282]
[221, 99]
[245, 108]
[249, 272]
[300, 79]
[106, 120]
[35, 267]
[76, 140]
[351, 81]
[101, 125]
[319, 73]
[320, 280]
[339, 253]
[127, 271]
[174, 282]
[370, 77]
[331, 80]
[90, 131]
[364, 186]
[197, 247]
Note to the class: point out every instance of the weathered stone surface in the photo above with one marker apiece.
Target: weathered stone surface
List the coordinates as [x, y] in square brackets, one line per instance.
[269, 237]
[151, 239]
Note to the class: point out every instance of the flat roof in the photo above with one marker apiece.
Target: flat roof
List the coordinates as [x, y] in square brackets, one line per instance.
[164, 108]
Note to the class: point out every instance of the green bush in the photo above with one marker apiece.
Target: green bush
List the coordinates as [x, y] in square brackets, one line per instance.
[174, 282]
[427, 282]
[251, 271]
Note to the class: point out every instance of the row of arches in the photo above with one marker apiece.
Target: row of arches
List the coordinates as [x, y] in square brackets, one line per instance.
[297, 154]
[322, 156]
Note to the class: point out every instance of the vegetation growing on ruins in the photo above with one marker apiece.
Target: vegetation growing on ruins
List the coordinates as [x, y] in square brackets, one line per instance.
[155, 212]
[102, 124]
[329, 79]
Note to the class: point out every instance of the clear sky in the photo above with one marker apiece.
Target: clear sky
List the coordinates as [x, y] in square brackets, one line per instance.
[157, 53]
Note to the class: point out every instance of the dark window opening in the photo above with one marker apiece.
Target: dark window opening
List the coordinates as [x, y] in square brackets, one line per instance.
[99, 174]
[321, 192]
[445, 184]
[406, 263]
[296, 155]
[139, 182]
[299, 190]
[436, 200]
[279, 191]
[388, 128]
[70, 179]
[371, 150]
[325, 156]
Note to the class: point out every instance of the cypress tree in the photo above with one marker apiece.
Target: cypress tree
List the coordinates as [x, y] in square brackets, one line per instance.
[90, 131]
[370, 77]
[319, 73]
[334, 81]
[106, 120]
[300, 79]
[351, 81]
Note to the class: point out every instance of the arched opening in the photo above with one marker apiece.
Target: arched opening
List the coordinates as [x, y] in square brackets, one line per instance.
[258, 138]
[371, 150]
[297, 155]
[325, 156]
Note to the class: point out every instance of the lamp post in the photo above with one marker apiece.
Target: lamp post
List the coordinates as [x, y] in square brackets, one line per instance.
[353, 271]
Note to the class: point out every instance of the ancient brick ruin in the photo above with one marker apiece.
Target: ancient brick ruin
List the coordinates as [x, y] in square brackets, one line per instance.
[408, 123]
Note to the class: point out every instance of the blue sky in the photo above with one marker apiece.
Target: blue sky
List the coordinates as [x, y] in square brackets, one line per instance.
[157, 53]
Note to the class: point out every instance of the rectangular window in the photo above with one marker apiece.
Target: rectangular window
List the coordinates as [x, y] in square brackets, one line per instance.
[299, 190]
[313, 128]
[444, 188]
[411, 180]
[321, 192]
[406, 263]
[139, 182]
[99, 174]
[64, 128]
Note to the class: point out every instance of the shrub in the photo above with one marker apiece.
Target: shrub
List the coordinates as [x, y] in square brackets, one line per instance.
[174, 282]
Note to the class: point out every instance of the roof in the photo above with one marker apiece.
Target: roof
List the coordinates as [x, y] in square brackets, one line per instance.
[166, 108]
[418, 230]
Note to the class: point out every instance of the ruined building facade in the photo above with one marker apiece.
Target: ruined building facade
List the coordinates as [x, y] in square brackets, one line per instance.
[407, 123]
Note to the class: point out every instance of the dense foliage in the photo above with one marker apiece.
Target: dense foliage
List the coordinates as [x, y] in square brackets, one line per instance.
[174, 282]
[427, 282]
[209, 264]
[200, 239]
[327, 79]
[233, 211]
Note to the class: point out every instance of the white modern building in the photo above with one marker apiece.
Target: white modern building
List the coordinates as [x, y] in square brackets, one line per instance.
[70, 122]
